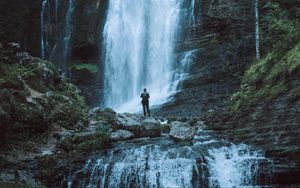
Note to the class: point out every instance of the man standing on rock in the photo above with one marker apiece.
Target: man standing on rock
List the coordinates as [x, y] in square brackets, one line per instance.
[145, 102]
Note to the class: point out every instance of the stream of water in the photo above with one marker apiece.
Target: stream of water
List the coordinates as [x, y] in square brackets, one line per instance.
[56, 31]
[160, 162]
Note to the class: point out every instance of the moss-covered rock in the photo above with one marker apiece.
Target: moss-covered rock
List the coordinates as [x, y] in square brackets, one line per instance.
[269, 78]
[89, 67]
[34, 97]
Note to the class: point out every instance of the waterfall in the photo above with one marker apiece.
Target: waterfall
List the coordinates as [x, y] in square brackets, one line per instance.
[233, 166]
[67, 36]
[209, 162]
[183, 68]
[43, 35]
[139, 41]
[56, 31]
[257, 33]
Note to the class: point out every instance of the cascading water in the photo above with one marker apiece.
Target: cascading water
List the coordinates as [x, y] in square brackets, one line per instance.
[56, 31]
[257, 33]
[233, 166]
[159, 162]
[139, 41]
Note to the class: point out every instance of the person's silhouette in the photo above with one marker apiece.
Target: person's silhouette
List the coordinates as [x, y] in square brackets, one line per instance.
[145, 102]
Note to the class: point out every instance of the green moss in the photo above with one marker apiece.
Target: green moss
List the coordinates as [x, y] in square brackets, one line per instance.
[90, 67]
[267, 79]
[280, 28]
[289, 64]
[294, 94]
[68, 109]
[258, 70]
[165, 128]
[98, 142]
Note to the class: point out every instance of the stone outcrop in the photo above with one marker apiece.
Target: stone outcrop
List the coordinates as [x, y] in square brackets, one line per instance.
[140, 126]
[39, 109]
[120, 135]
[134, 123]
[89, 18]
[181, 131]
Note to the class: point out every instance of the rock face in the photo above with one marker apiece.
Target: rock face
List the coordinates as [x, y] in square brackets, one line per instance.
[272, 126]
[182, 131]
[34, 96]
[222, 44]
[35, 103]
[20, 22]
[89, 18]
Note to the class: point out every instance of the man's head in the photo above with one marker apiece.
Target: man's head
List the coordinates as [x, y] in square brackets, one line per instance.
[145, 89]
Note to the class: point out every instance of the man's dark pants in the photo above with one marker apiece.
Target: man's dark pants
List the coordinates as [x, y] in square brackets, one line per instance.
[146, 108]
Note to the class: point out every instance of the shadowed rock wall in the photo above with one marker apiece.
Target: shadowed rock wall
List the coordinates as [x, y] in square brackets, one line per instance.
[223, 38]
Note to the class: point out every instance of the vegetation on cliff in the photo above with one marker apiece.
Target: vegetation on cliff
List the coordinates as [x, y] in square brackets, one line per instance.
[34, 97]
[277, 72]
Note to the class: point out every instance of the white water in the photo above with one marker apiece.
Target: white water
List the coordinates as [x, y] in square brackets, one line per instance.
[183, 69]
[67, 36]
[43, 37]
[232, 166]
[204, 164]
[139, 41]
[257, 33]
[56, 31]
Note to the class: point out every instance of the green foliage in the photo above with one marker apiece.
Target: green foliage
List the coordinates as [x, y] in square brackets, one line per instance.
[90, 67]
[257, 71]
[267, 79]
[68, 108]
[274, 74]
[280, 28]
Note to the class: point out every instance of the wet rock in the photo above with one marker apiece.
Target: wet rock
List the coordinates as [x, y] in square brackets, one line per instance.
[24, 57]
[120, 135]
[140, 126]
[14, 46]
[181, 131]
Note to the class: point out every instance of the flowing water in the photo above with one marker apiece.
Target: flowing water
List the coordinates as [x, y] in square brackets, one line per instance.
[257, 33]
[56, 31]
[160, 162]
[139, 42]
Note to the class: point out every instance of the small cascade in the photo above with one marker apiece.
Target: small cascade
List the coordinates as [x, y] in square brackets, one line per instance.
[257, 33]
[159, 162]
[236, 165]
[192, 10]
[67, 37]
[56, 31]
[49, 19]
[183, 68]
[146, 166]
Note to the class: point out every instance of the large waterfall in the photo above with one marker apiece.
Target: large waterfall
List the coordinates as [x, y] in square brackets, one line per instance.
[139, 42]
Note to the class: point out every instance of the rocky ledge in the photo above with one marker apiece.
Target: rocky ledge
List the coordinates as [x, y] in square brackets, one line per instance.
[272, 126]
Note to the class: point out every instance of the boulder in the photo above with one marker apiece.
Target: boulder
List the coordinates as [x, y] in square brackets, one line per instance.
[120, 135]
[181, 131]
[106, 115]
[140, 126]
